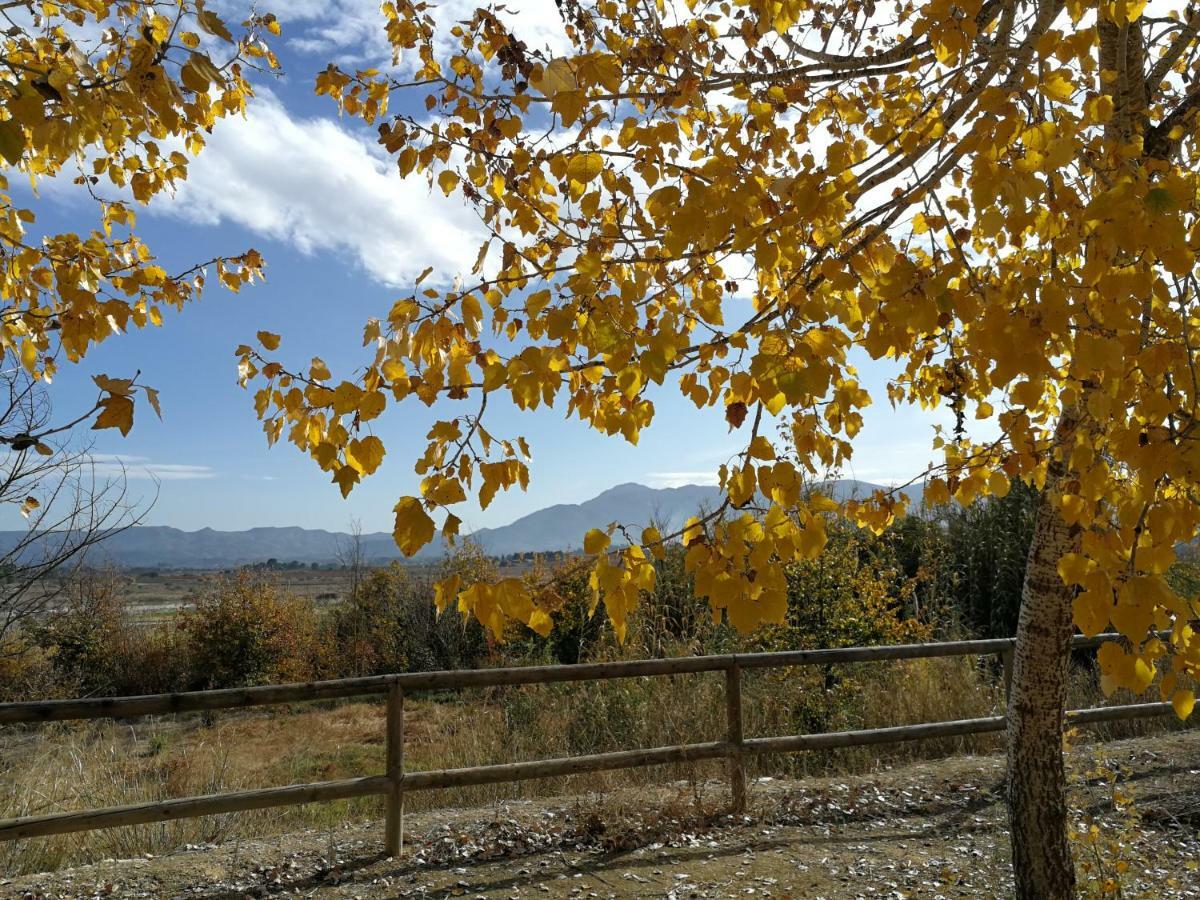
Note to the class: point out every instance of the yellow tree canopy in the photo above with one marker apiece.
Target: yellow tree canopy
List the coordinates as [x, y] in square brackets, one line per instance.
[728, 198]
[114, 96]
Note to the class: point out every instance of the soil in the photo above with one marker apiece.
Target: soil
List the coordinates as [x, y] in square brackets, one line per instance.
[932, 830]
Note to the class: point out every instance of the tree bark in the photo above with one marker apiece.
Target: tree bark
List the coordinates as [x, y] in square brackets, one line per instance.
[1037, 800]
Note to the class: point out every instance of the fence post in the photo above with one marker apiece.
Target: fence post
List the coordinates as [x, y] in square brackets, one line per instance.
[393, 841]
[737, 765]
[1006, 660]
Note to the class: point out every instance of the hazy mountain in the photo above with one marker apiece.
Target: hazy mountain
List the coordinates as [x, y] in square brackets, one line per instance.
[559, 527]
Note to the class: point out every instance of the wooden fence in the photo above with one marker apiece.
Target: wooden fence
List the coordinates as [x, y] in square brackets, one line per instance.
[395, 782]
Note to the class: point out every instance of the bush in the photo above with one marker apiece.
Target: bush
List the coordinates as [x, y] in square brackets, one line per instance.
[390, 623]
[95, 648]
[245, 631]
[26, 669]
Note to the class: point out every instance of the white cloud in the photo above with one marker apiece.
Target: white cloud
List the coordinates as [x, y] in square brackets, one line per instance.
[679, 479]
[351, 32]
[322, 187]
[142, 468]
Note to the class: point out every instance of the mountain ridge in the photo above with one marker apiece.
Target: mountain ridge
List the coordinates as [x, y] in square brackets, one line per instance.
[553, 528]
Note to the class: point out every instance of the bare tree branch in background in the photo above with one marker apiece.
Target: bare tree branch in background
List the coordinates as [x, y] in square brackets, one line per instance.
[69, 503]
[351, 556]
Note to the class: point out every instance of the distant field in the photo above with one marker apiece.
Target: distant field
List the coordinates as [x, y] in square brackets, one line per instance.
[151, 594]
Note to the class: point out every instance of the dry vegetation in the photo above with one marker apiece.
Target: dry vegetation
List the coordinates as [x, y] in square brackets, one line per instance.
[62, 767]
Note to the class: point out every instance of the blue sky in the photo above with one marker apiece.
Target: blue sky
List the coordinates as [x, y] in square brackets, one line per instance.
[342, 235]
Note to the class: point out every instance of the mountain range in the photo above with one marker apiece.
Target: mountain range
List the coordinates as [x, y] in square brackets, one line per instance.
[558, 527]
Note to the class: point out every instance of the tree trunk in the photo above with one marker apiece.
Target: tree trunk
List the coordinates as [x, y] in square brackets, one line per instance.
[1037, 801]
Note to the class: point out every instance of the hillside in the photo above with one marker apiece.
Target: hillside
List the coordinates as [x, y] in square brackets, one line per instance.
[558, 527]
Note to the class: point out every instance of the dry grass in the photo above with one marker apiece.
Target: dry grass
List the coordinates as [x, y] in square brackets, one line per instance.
[65, 767]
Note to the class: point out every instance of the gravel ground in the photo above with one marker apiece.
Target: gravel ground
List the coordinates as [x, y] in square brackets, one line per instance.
[932, 830]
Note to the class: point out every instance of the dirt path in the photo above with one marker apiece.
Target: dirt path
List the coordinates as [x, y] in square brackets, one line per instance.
[933, 830]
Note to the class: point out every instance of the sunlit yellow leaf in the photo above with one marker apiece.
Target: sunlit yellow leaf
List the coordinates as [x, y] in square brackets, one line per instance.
[595, 541]
[414, 528]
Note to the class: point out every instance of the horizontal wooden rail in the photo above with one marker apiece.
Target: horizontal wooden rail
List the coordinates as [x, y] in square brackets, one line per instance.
[866, 737]
[191, 807]
[571, 765]
[236, 698]
[396, 782]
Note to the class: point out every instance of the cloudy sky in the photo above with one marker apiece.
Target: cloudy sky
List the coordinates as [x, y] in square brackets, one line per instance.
[342, 234]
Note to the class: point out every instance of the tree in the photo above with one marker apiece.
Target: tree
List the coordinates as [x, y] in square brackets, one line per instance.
[738, 200]
[68, 505]
[114, 96]
[351, 556]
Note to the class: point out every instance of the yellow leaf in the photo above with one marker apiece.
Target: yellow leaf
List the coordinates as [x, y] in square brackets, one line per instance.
[447, 181]
[540, 622]
[1091, 611]
[652, 540]
[268, 340]
[998, 485]
[446, 591]
[556, 76]
[595, 541]
[211, 22]
[345, 477]
[1142, 675]
[1073, 567]
[365, 454]
[583, 167]
[29, 355]
[1183, 701]
[198, 73]
[12, 142]
[1057, 86]
[1099, 109]
[760, 448]
[937, 493]
[414, 528]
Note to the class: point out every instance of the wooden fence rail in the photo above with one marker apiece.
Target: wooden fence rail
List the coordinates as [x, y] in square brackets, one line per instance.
[396, 782]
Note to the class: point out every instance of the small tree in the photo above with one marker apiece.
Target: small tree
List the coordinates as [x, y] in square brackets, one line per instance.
[351, 555]
[68, 507]
[368, 627]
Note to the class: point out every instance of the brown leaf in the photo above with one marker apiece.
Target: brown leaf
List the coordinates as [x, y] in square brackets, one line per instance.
[116, 412]
[735, 414]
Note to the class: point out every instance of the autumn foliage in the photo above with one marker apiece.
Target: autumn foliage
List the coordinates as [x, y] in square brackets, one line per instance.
[740, 200]
[115, 98]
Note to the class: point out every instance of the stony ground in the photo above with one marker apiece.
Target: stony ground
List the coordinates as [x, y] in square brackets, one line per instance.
[932, 830]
